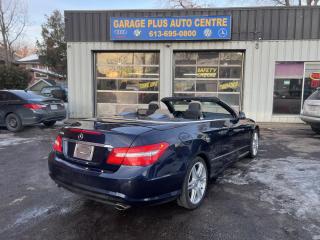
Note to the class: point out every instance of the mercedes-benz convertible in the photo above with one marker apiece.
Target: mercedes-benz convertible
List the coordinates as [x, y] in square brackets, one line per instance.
[154, 155]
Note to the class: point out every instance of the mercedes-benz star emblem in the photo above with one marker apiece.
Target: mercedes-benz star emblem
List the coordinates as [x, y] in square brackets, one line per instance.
[80, 136]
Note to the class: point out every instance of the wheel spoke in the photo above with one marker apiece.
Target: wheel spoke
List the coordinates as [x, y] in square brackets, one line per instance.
[200, 170]
[203, 178]
[193, 195]
[199, 194]
[191, 185]
[193, 172]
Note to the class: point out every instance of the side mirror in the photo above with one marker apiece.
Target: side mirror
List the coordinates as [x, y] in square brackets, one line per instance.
[242, 115]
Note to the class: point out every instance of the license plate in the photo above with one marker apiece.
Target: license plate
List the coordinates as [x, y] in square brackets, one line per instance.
[83, 151]
[53, 107]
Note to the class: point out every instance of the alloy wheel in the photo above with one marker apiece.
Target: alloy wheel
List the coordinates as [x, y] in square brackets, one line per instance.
[197, 182]
[13, 122]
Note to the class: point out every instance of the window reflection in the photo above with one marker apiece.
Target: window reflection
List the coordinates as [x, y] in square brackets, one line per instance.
[126, 79]
[288, 87]
[209, 73]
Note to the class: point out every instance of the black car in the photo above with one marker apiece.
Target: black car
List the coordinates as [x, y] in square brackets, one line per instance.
[20, 108]
[151, 156]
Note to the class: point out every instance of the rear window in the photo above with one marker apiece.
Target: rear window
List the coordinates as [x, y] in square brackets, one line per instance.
[315, 95]
[28, 95]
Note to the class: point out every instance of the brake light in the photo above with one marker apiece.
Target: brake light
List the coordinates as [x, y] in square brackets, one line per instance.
[57, 146]
[137, 156]
[34, 106]
[79, 130]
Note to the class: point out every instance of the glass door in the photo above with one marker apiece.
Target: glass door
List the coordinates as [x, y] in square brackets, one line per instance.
[311, 79]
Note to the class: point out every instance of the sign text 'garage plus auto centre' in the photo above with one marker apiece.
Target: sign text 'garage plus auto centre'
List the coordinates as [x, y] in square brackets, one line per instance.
[171, 28]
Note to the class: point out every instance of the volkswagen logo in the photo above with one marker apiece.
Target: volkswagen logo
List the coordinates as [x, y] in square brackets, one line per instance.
[80, 136]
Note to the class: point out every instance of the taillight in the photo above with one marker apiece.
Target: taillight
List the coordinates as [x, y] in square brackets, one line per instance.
[137, 156]
[34, 106]
[57, 146]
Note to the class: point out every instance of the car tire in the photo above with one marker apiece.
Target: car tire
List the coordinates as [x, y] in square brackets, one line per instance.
[13, 122]
[195, 184]
[254, 146]
[49, 123]
[315, 129]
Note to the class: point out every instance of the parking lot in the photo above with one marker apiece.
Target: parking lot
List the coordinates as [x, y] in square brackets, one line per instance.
[276, 196]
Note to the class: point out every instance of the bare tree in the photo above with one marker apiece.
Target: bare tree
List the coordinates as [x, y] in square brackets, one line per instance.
[294, 3]
[188, 3]
[232, 3]
[13, 20]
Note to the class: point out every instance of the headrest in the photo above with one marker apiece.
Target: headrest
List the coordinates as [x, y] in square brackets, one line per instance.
[194, 106]
[153, 106]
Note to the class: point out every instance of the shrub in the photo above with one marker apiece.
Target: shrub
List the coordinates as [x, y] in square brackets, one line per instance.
[13, 77]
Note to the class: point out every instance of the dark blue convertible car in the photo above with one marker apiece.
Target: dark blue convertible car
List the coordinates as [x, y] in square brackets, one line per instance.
[151, 156]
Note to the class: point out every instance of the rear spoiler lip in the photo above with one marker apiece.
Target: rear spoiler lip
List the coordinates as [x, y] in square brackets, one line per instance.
[85, 131]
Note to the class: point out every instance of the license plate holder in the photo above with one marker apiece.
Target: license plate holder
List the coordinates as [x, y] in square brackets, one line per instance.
[53, 107]
[83, 151]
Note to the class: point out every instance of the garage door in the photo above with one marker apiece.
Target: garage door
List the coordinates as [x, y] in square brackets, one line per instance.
[125, 81]
[209, 73]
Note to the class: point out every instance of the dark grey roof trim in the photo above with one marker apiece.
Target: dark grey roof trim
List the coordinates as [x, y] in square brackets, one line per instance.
[266, 23]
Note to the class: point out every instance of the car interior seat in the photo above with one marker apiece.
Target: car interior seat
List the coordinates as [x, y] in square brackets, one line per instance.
[152, 107]
[194, 111]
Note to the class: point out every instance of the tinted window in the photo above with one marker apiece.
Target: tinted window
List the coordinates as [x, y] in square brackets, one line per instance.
[27, 95]
[315, 96]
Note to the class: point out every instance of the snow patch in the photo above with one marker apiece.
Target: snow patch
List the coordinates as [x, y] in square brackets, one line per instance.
[17, 200]
[10, 139]
[31, 214]
[292, 184]
[30, 188]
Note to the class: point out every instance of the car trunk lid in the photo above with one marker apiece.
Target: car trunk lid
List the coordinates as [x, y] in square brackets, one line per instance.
[96, 140]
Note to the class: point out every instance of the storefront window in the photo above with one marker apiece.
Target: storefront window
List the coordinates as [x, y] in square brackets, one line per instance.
[126, 80]
[287, 87]
[311, 78]
[209, 73]
[293, 82]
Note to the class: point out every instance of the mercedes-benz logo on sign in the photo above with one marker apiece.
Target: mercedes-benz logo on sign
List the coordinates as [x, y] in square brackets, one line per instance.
[80, 136]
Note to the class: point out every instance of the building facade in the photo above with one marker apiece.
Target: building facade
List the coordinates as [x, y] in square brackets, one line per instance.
[263, 61]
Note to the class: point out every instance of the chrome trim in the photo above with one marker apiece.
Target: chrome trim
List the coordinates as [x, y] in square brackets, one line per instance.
[88, 143]
[226, 154]
[164, 122]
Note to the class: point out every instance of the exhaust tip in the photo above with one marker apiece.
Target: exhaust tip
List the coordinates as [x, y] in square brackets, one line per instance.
[121, 207]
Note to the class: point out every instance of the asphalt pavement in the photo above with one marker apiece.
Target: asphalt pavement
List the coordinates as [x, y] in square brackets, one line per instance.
[275, 196]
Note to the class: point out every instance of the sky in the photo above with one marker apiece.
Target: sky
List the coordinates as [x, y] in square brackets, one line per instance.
[37, 9]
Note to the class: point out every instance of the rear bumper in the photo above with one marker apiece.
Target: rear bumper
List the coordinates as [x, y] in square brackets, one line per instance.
[128, 185]
[38, 117]
[310, 120]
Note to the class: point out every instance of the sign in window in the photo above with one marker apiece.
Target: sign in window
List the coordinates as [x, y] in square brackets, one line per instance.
[209, 73]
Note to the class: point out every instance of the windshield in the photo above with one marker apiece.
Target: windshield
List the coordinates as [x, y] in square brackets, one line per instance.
[315, 95]
[204, 109]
